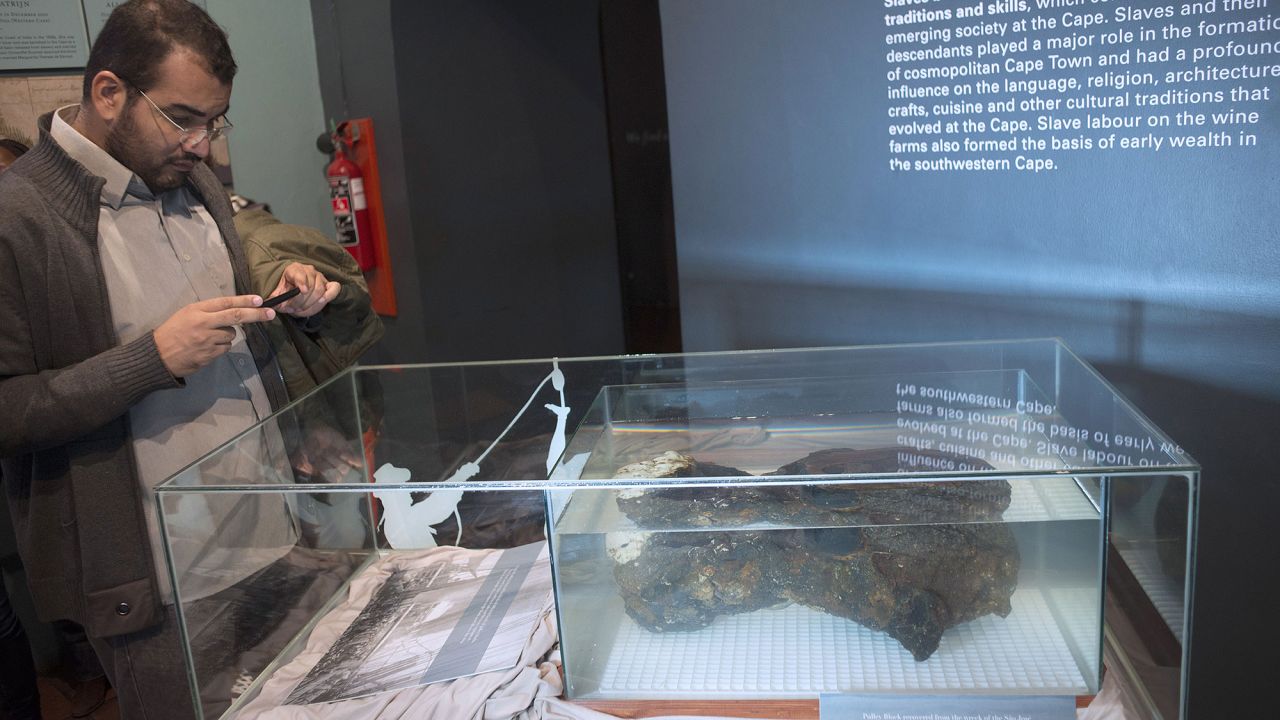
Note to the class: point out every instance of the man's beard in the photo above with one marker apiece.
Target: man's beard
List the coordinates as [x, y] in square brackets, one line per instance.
[123, 145]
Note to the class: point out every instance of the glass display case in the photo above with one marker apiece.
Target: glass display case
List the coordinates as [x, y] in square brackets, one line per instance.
[968, 518]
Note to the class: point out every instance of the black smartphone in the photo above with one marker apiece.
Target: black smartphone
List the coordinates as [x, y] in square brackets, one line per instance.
[286, 295]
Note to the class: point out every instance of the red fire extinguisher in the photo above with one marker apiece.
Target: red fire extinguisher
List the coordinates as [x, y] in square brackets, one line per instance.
[350, 208]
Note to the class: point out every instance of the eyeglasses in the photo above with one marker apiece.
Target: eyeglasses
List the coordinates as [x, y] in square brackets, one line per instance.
[189, 138]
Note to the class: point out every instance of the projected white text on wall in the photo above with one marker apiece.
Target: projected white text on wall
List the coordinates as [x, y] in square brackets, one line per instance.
[1026, 85]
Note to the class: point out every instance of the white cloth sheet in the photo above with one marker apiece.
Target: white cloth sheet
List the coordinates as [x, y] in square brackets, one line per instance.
[528, 691]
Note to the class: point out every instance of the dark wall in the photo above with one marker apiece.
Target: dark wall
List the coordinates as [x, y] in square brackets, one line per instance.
[493, 142]
[502, 107]
[636, 89]
[1159, 267]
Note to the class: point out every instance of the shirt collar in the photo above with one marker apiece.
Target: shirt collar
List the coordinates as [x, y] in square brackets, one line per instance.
[96, 160]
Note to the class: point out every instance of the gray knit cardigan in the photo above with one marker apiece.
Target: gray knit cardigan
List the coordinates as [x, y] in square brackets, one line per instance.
[66, 385]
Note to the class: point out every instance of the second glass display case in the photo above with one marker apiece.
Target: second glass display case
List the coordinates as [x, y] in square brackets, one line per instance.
[802, 537]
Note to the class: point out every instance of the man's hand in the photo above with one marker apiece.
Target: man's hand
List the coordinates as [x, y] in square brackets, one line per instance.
[316, 291]
[202, 331]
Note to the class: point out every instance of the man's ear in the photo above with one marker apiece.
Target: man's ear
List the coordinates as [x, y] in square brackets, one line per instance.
[108, 95]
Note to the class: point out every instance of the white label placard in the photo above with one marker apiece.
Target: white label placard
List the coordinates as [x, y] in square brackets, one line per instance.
[946, 707]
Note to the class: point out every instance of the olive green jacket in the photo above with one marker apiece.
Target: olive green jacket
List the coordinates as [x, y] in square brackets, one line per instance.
[334, 339]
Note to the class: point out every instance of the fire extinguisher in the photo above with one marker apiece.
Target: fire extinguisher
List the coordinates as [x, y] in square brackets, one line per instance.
[350, 208]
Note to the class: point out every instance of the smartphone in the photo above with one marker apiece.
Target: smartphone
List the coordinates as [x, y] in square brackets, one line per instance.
[286, 295]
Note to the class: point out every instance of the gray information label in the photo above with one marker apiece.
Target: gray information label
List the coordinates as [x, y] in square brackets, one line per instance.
[947, 707]
[467, 644]
[42, 35]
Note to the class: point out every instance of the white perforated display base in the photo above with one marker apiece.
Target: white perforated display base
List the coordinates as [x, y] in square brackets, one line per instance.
[795, 651]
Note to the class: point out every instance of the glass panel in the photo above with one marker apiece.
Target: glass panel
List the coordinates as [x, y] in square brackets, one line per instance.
[737, 539]
[433, 419]
[829, 604]
[1149, 585]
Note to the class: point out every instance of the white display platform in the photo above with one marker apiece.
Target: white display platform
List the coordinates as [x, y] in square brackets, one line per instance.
[794, 651]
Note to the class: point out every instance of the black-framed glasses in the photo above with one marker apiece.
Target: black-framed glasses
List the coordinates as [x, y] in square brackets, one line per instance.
[188, 137]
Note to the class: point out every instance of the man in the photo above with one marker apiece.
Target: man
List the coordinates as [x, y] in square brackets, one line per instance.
[130, 342]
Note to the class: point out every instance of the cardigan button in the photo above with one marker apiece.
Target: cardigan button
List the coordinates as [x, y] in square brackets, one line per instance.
[123, 609]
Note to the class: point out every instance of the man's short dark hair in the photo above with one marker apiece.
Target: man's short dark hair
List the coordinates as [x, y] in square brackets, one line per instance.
[140, 34]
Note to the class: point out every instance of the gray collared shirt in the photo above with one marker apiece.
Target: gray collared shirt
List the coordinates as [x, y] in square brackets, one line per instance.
[160, 254]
